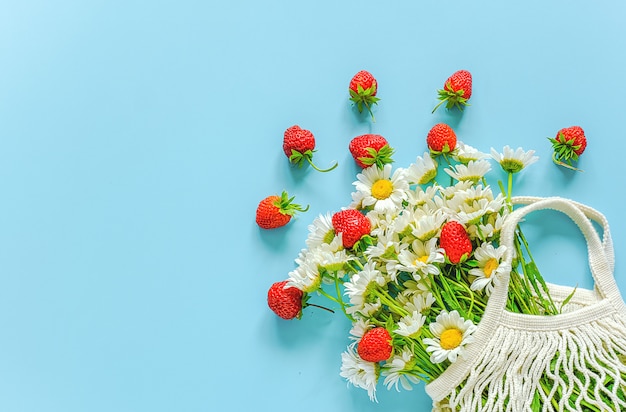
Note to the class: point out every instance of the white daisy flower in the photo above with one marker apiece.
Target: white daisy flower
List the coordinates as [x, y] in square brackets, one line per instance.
[474, 171]
[380, 189]
[416, 300]
[321, 231]
[359, 288]
[306, 276]
[449, 192]
[333, 261]
[423, 171]
[514, 161]
[472, 213]
[402, 224]
[386, 247]
[385, 253]
[490, 267]
[451, 334]
[359, 327]
[383, 222]
[367, 310]
[416, 287]
[396, 371]
[421, 257]
[359, 373]
[470, 205]
[489, 230]
[428, 226]
[410, 325]
[466, 153]
[423, 199]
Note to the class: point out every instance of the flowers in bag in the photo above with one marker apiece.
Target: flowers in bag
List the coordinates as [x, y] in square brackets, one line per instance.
[411, 263]
[421, 252]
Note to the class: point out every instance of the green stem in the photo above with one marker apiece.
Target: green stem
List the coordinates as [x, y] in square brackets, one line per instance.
[435, 291]
[339, 296]
[450, 293]
[369, 109]
[551, 308]
[510, 188]
[505, 193]
[471, 298]
[439, 104]
[390, 302]
[318, 169]
[340, 302]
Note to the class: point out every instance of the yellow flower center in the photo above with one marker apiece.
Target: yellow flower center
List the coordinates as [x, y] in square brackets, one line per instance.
[451, 338]
[422, 259]
[490, 266]
[382, 188]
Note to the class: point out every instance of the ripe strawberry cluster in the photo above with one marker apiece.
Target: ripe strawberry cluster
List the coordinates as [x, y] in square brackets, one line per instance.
[368, 150]
[299, 146]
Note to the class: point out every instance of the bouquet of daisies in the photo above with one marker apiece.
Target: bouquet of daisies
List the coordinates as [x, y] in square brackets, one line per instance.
[413, 259]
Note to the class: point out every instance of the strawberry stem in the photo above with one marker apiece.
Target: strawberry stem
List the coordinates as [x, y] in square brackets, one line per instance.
[318, 169]
[560, 163]
[439, 104]
[369, 109]
[320, 307]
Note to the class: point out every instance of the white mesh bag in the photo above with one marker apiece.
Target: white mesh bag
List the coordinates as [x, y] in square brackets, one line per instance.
[568, 362]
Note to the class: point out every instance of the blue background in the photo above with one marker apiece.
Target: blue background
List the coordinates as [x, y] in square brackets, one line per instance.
[137, 137]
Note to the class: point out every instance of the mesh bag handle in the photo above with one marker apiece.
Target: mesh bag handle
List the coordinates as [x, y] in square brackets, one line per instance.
[591, 213]
[601, 263]
[600, 253]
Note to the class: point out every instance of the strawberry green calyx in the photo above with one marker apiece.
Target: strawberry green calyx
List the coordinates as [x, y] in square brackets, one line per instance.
[299, 158]
[365, 97]
[362, 244]
[451, 98]
[565, 151]
[378, 157]
[286, 206]
[444, 151]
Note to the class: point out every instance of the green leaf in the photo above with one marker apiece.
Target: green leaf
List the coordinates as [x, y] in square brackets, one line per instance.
[568, 298]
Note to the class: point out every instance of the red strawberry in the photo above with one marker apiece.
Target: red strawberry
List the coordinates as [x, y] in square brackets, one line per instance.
[375, 345]
[352, 225]
[456, 90]
[455, 241]
[286, 302]
[370, 149]
[299, 146]
[275, 211]
[441, 139]
[363, 88]
[568, 145]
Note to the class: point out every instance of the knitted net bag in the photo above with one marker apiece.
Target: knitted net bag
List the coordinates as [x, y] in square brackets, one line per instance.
[568, 362]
